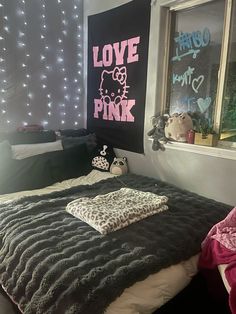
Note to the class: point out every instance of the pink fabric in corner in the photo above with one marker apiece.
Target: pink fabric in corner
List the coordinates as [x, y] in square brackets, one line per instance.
[219, 247]
[225, 231]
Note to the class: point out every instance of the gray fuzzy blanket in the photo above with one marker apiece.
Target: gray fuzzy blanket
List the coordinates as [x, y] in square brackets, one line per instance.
[53, 263]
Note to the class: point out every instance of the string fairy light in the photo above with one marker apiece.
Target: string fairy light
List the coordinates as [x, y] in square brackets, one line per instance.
[5, 32]
[47, 78]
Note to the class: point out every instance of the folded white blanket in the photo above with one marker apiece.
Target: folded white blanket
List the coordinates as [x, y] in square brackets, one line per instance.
[118, 209]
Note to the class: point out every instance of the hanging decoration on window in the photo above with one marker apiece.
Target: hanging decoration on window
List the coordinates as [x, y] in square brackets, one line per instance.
[190, 73]
[117, 70]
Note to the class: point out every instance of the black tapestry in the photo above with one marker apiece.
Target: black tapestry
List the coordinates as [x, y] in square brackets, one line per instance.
[117, 74]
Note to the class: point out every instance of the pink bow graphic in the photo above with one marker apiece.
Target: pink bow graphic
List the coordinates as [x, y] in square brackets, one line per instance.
[119, 74]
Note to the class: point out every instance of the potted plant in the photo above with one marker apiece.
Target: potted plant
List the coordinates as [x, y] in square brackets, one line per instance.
[205, 135]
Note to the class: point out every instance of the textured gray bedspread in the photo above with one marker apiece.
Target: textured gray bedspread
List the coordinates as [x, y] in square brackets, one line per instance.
[51, 262]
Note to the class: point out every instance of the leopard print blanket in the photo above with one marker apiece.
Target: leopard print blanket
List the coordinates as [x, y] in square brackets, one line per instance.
[118, 209]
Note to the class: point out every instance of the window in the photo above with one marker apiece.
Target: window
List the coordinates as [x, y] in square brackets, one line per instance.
[202, 63]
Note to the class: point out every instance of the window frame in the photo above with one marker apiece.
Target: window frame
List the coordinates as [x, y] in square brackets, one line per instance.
[167, 9]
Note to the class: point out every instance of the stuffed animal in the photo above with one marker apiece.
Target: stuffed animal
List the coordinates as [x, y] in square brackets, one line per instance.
[157, 133]
[119, 165]
[178, 126]
[103, 157]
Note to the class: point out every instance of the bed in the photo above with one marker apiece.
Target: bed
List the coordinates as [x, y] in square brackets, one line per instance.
[53, 262]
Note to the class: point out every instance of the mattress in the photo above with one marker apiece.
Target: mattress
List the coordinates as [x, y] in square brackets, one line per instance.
[144, 296]
[221, 269]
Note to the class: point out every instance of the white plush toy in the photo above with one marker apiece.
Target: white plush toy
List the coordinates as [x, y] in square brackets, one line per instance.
[177, 127]
[119, 166]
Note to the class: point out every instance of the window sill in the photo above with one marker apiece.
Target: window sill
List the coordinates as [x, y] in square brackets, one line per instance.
[203, 150]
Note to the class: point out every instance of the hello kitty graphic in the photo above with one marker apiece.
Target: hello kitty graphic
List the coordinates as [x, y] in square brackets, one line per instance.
[113, 88]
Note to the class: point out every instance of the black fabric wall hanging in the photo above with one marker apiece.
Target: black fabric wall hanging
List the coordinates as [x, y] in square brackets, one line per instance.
[117, 73]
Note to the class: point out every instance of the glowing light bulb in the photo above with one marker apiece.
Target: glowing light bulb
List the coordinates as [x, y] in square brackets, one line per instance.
[21, 44]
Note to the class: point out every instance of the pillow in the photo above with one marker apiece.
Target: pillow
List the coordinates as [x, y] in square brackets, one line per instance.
[15, 138]
[73, 132]
[39, 171]
[70, 163]
[26, 174]
[26, 150]
[90, 140]
[103, 157]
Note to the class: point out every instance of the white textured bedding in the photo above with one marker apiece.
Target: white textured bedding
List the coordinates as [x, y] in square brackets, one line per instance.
[221, 269]
[145, 296]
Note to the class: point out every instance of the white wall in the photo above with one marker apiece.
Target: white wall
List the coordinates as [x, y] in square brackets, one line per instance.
[206, 175]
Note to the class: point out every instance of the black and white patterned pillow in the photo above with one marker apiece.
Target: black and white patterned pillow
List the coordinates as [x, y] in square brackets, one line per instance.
[103, 157]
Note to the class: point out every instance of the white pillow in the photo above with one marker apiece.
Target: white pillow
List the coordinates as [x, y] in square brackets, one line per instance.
[26, 150]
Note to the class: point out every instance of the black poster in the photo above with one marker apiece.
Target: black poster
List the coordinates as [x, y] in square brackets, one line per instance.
[117, 74]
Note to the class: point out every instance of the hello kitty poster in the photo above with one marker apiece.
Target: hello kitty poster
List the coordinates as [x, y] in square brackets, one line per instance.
[117, 73]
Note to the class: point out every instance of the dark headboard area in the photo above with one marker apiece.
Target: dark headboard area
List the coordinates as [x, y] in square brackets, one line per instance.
[39, 162]
[16, 137]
